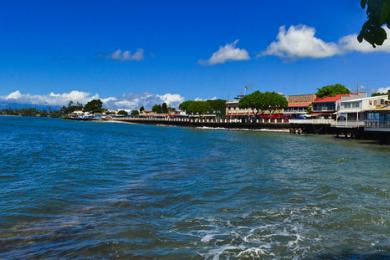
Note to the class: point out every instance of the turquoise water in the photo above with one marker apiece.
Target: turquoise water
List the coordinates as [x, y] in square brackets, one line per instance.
[84, 189]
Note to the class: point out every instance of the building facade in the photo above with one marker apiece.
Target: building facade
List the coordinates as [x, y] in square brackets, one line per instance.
[326, 107]
[378, 120]
[233, 111]
[352, 111]
[298, 105]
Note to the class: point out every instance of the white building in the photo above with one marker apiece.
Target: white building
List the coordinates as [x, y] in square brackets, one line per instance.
[233, 109]
[352, 110]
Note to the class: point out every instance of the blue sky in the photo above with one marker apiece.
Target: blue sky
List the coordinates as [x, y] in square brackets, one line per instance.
[121, 48]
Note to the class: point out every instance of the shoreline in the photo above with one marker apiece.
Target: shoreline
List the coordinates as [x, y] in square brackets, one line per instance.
[202, 127]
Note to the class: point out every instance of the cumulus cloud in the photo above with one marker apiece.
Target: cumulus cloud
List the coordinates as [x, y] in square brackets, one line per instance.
[126, 101]
[127, 55]
[350, 43]
[383, 90]
[301, 42]
[51, 99]
[204, 99]
[171, 99]
[226, 53]
[136, 100]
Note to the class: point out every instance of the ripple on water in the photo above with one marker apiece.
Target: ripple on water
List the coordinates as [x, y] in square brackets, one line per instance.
[86, 190]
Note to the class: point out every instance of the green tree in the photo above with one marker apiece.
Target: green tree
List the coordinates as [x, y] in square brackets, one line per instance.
[94, 106]
[122, 113]
[200, 107]
[263, 101]
[71, 108]
[332, 90]
[218, 106]
[164, 108]
[142, 109]
[378, 15]
[157, 109]
[274, 101]
[184, 105]
[195, 107]
[134, 113]
[254, 101]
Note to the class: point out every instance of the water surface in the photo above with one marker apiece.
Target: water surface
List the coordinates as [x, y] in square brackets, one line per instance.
[85, 189]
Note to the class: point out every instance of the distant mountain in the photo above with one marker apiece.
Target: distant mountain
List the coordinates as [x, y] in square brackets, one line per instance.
[11, 105]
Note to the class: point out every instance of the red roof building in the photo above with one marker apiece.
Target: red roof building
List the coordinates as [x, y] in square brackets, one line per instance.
[298, 105]
[330, 98]
[327, 106]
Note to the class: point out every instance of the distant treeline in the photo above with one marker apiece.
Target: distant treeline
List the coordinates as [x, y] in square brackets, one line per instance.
[29, 112]
[216, 106]
[93, 106]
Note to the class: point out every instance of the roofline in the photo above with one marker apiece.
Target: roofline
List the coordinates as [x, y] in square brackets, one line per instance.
[365, 98]
[302, 95]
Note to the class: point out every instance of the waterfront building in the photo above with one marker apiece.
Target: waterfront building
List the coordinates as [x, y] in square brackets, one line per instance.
[352, 111]
[378, 119]
[298, 105]
[324, 110]
[233, 110]
[76, 114]
[326, 107]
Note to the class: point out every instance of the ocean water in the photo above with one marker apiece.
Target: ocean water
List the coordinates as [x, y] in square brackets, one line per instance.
[105, 190]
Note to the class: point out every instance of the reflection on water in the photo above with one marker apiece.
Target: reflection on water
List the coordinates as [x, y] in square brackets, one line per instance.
[91, 189]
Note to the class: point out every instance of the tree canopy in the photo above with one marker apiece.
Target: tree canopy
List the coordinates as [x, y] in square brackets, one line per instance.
[71, 107]
[200, 107]
[94, 106]
[332, 90]
[162, 108]
[157, 109]
[378, 15]
[122, 113]
[134, 113]
[263, 101]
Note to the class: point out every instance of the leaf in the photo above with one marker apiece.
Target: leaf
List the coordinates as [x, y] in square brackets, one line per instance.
[385, 12]
[360, 37]
[363, 3]
[379, 36]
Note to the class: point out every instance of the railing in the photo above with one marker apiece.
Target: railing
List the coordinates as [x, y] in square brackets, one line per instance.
[372, 124]
[349, 124]
[202, 120]
[312, 121]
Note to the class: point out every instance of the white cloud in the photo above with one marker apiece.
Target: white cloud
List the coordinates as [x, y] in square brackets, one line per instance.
[226, 53]
[301, 42]
[135, 100]
[126, 101]
[350, 43]
[52, 99]
[171, 99]
[382, 90]
[109, 99]
[14, 95]
[204, 99]
[127, 55]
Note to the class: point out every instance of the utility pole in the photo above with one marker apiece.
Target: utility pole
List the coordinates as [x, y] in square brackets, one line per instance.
[245, 90]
